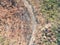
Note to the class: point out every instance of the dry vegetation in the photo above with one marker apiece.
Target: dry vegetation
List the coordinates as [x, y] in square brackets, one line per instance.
[14, 23]
[29, 22]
